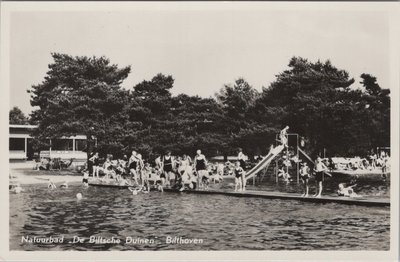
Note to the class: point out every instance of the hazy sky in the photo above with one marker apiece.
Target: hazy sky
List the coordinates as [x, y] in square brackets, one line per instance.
[202, 50]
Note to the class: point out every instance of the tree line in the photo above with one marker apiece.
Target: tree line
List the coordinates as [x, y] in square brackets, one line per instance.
[83, 95]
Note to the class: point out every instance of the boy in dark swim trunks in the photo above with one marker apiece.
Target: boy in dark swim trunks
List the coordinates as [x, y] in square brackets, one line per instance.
[305, 175]
[319, 169]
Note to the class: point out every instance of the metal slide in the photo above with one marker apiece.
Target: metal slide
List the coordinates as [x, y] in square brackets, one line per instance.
[264, 162]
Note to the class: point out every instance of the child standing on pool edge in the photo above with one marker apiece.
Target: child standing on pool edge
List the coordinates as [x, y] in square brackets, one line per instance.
[95, 164]
[242, 160]
[305, 175]
[200, 166]
[239, 177]
[319, 169]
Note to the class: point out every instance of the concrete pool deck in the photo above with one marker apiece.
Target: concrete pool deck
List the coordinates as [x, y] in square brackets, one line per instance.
[360, 201]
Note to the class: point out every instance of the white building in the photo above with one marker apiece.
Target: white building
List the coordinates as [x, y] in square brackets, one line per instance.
[20, 145]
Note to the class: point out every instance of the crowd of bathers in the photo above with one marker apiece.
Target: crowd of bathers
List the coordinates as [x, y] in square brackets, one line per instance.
[167, 171]
[371, 162]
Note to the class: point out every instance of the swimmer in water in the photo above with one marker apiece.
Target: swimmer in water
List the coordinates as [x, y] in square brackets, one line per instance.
[346, 191]
[64, 185]
[17, 189]
[51, 185]
[79, 196]
[133, 190]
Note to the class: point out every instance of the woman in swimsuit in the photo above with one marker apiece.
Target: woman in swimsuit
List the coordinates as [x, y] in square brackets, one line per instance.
[167, 164]
[239, 176]
[133, 166]
[200, 165]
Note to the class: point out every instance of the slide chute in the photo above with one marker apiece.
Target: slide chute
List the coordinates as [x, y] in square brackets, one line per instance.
[264, 162]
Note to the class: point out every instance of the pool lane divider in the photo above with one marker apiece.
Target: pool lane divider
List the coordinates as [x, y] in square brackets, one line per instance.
[378, 202]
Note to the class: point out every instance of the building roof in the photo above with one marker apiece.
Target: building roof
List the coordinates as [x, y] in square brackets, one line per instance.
[23, 126]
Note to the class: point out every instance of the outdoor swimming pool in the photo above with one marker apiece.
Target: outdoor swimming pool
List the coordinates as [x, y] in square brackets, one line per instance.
[221, 222]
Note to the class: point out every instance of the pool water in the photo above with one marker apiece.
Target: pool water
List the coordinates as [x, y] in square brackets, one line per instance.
[218, 222]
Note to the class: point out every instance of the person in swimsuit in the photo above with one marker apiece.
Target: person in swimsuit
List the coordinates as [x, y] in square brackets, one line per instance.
[158, 162]
[158, 181]
[346, 191]
[133, 166]
[239, 176]
[305, 176]
[184, 165]
[146, 176]
[219, 176]
[319, 169]
[283, 136]
[200, 165]
[89, 164]
[167, 164]
[51, 185]
[95, 162]
[85, 180]
[119, 169]
[140, 168]
[122, 166]
[242, 160]
[108, 168]
[64, 185]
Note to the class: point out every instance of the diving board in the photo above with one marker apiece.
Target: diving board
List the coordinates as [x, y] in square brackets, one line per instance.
[264, 162]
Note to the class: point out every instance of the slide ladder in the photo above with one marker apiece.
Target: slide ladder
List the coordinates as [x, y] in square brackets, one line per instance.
[312, 162]
[307, 156]
[264, 162]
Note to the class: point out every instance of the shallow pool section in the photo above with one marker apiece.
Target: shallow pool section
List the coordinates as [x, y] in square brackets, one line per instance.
[180, 221]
